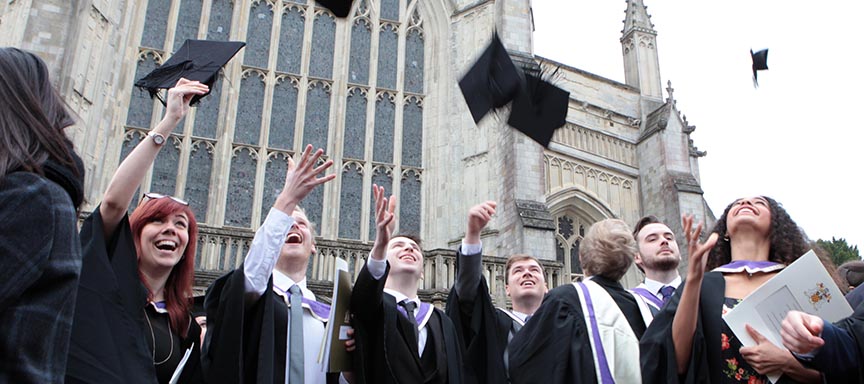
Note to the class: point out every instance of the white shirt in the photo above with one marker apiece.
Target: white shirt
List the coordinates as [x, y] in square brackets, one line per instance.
[654, 286]
[259, 265]
[377, 269]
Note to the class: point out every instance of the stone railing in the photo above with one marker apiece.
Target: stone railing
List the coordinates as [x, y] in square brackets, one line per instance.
[221, 250]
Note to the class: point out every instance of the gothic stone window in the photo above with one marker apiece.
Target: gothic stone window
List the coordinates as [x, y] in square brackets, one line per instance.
[570, 231]
[353, 86]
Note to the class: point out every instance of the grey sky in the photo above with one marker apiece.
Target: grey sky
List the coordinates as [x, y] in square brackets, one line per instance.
[797, 138]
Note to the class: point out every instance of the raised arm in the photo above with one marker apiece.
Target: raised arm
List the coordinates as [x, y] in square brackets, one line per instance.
[684, 323]
[131, 171]
[368, 289]
[300, 179]
[470, 260]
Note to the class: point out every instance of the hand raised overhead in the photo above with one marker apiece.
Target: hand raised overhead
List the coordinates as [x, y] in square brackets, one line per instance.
[697, 252]
[181, 95]
[301, 178]
[478, 217]
[383, 218]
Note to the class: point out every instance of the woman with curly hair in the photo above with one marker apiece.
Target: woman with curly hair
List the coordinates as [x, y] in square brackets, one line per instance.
[751, 242]
[586, 332]
[133, 319]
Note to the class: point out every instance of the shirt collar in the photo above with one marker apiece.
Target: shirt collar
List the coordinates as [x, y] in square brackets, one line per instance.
[654, 286]
[399, 296]
[283, 283]
[520, 315]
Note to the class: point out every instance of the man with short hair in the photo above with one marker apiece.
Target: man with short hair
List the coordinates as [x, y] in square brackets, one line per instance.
[658, 258]
[264, 324]
[400, 338]
[485, 330]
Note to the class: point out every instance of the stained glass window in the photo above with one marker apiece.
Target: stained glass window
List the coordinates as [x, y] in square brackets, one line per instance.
[361, 38]
[412, 133]
[241, 186]
[382, 177]
[355, 124]
[291, 40]
[219, 26]
[385, 120]
[198, 178]
[283, 114]
[274, 180]
[323, 40]
[410, 205]
[351, 201]
[141, 106]
[414, 61]
[258, 34]
[154, 29]
[250, 105]
[388, 45]
[317, 115]
[187, 22]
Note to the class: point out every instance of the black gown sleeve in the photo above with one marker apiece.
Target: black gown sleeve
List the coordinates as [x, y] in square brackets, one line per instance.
[479, 327]
[553, 346]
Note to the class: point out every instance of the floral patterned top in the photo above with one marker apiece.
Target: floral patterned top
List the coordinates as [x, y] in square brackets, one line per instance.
[736, 369]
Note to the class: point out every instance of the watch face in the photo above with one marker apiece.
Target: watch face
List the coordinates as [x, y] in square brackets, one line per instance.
[157, 138]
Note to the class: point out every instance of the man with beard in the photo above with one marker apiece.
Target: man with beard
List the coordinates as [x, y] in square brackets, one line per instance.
[658, 258]
[485, 330]
[400, 338]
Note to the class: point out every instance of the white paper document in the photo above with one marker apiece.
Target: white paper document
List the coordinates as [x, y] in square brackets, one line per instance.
[803, 286]
[179, 369]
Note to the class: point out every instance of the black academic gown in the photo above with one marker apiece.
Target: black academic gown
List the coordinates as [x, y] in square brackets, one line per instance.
[109, 332]
[386, 348]
[245, 341]
[658, 352]
[840, 358]
[484, 331]
[554, 346]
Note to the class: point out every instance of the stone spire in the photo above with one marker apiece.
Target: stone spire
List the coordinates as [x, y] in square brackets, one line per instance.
[639, 47]
[637, 18]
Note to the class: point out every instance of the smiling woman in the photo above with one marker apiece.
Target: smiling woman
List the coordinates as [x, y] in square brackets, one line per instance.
[133, 321]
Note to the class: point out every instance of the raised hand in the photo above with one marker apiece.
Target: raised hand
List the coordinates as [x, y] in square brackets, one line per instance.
[478, 217]
[765, 357]
[383, 217]
[301, 178]
[180, 96]
[697, 252]
[800, 332]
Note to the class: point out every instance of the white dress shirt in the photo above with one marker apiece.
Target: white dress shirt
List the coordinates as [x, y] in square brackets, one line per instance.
[654, 286]
[377, 269]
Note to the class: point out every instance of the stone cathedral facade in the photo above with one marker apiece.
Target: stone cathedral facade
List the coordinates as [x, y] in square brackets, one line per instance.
[378, 90]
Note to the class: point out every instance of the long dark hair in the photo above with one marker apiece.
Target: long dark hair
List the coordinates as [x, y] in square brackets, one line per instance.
[32, 116]
[788, 242]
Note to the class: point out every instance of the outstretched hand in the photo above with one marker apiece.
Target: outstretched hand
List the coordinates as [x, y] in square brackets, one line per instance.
[765, 357]
[383, 218]
[697, 252]
[801, 332]
[478, 217]
[181, 95]
[301, 178]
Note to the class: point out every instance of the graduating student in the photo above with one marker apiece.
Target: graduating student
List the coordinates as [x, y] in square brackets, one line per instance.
[758, 240]
[400, 339]
[586, 332]
[264, 325]
[485, 330]
[833, 349]
[658, 258]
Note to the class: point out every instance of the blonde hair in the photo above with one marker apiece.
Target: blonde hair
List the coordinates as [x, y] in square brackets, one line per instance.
[607, 249]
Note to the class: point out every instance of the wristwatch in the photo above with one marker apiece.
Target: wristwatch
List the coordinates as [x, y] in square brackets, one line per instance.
[158, 139]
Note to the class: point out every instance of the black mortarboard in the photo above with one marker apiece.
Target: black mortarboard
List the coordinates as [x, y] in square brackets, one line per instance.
[198, 307]
[340, 8]
[539, 110]
[492, 82]
[760, 62]
[198, 60]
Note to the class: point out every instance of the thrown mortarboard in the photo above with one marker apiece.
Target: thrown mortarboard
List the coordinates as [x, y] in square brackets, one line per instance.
[340, 8]
[198, 60]
[539, 107]
[760, 62]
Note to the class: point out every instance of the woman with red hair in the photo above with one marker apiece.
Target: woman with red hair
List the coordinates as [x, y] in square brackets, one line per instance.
[132, 320]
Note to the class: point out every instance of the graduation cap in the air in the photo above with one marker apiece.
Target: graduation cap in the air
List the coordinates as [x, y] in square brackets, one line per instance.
[340, 8]
[538, 108]
[760, 62]
[198, 60]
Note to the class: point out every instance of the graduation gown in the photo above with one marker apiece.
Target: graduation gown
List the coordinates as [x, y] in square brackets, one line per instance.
[386, 348]
[555, 346]
[706, 362]
[840, 358]
[245, 341]
[110, 336]
[484, 332]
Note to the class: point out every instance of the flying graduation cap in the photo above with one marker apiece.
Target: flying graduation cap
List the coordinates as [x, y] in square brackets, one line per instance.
[198, 60]
[538, 108]
[760, 62]
[340, 8]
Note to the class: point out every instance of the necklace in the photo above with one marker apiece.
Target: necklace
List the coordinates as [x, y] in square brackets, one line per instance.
[153, 337]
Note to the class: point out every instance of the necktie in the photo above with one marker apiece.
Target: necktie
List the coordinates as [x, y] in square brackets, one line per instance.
[410, 306]
[295, 350]
[666, 291]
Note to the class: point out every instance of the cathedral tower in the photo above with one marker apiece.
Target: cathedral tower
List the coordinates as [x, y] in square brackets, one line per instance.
[639, 46]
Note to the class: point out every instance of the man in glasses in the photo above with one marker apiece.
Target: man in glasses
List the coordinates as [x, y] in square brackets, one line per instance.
[263, 309]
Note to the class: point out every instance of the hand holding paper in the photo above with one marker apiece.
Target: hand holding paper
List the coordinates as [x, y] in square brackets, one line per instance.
[801, 331]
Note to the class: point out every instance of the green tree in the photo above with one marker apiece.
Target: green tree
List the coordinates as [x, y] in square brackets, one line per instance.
[839, 251]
